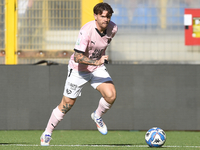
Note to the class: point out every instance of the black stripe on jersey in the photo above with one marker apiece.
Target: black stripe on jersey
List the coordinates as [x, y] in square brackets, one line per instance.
[78, 51]
[101, 34]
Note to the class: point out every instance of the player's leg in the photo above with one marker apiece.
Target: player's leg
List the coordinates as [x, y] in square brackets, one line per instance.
[58, 113]
[108, 92]
[72, 90]
[66, 104]
[103, 83]
[107, 89]
[56, 116]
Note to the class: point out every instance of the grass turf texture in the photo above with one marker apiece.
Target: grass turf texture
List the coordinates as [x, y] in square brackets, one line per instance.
[92, 140]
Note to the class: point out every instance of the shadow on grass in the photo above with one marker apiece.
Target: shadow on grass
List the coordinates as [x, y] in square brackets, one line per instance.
[13, 143]
[120, 145]
[115, 145]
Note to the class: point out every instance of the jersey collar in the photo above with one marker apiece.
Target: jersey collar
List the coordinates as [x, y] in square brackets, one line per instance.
[101, 34]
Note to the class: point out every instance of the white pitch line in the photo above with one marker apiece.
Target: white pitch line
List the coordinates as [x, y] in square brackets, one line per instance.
[97, 145]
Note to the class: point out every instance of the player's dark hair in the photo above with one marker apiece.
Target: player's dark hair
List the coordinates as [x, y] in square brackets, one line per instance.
[100, 7]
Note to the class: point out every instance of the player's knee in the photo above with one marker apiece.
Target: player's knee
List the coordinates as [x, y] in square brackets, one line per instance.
[67, 100]
[113, 98]
[110, 97]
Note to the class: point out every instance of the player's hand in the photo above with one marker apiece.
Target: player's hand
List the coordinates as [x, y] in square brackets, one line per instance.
[102, 59]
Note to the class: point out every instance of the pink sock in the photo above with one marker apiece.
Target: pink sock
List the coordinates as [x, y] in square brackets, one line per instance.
[56, 117]
[102, 107]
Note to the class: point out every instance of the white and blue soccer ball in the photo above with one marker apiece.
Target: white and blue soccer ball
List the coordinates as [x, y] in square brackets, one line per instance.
[155, 137]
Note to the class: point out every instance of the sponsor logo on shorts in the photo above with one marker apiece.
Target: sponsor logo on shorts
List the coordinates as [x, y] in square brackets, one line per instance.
[68, 91]
[72, 86]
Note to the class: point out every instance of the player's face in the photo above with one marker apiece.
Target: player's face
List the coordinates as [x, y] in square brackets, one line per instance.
[102, 20]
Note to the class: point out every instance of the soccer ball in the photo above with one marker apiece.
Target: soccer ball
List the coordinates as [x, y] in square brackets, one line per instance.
[155, 137]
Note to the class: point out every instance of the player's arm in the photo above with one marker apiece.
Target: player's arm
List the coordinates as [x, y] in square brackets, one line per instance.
[79, 57]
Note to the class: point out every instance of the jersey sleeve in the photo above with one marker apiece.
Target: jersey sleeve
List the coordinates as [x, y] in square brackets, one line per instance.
[82, 41]
[115, 29]
[112, 29]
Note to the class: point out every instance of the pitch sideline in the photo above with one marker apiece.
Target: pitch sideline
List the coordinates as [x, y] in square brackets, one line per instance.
[94, 145]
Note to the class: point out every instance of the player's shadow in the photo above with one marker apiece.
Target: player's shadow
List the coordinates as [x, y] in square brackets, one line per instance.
[120, 145]
[124, 145]
[12, 143]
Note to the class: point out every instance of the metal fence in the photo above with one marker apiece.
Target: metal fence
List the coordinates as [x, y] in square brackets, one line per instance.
[152, 31]
[48, 26]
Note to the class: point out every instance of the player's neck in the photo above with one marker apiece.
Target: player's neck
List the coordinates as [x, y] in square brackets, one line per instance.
[101, 30]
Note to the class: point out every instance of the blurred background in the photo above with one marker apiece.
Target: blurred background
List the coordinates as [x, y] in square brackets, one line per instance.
[150, 31]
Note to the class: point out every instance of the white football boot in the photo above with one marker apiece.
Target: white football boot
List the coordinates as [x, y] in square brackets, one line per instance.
[101, 126]
[45, 139]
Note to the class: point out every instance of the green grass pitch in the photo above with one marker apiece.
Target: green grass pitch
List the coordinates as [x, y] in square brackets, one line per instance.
[93, 140]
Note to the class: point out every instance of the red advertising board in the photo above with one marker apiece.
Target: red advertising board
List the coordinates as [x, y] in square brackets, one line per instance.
[192, 26]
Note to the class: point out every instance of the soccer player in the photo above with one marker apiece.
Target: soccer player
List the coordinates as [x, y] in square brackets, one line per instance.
[87, 64]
